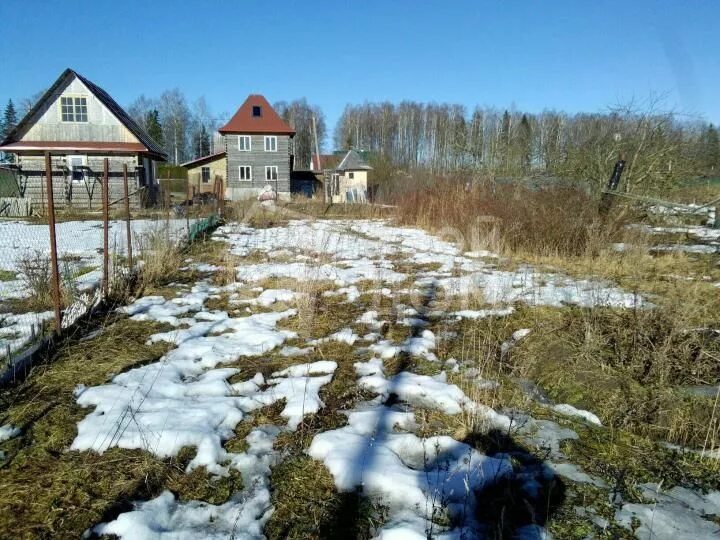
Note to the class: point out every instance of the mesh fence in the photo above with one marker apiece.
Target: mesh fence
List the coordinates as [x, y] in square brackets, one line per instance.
[59, 260]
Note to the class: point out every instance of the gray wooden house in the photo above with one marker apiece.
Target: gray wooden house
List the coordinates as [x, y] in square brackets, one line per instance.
[81, 125]
[258, 150]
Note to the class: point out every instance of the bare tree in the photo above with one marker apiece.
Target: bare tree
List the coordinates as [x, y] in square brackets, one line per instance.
[299, 114]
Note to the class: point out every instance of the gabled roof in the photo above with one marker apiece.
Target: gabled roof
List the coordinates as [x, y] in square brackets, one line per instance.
[268, 122]
[147, 144]
[203, 160]
[353, 162]
[327, 161]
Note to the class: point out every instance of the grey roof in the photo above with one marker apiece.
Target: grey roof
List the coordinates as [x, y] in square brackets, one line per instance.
[107, 100]
[353, 162]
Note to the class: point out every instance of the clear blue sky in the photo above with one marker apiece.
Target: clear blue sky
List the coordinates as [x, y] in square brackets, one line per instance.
[572, 55]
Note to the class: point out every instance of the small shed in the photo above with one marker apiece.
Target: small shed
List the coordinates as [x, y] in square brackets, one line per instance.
[204, 172]
[345, 176]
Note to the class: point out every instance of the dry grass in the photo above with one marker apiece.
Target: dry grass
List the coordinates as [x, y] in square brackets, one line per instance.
[161, 256]
[512, 219]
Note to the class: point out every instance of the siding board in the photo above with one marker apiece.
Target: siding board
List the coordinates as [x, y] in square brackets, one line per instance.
[258, 159]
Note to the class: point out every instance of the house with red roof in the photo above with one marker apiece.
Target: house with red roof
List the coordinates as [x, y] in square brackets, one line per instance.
[257, 156]
[259, 150]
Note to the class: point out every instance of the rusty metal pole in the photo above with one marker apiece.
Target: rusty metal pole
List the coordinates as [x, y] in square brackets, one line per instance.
[127, 217]
[53, 244]
[106, 225]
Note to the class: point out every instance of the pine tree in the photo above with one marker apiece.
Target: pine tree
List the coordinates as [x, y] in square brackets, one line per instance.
[9, 119]
[505, 140]
[525, 144]
[204, 142]
[154, 129]
[711, 150]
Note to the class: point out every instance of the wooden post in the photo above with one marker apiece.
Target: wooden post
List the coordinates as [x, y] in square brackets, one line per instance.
[53, 243]
[106, 225]
[221, 196]
[187, 205]
[127, 217]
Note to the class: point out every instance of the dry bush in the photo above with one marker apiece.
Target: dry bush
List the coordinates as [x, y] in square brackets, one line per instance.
[161, 256]
[36, 272]
[512, 218]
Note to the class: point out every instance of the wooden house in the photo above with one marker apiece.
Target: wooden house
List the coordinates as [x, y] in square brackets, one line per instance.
[345, 176]
[258, 151]
[81, 125]
[203, 173]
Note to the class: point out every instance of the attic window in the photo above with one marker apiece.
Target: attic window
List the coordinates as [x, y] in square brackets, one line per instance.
[73, 109]
[257, 110]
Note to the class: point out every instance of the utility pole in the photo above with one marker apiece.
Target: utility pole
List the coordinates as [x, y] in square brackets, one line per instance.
[317, 153]
[317, 146]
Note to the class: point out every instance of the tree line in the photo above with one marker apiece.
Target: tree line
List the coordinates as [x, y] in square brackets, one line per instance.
[660, 147]
[190, 131]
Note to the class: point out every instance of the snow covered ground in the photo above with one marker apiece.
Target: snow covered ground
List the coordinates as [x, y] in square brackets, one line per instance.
[80, 246]
[430, 485]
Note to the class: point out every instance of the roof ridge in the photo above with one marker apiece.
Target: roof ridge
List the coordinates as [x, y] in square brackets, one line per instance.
[107, 100]
[243, 121]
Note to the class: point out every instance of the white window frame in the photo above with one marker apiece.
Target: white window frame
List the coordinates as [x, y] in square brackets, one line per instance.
[75, 107]
[272, 139]
[269, 171]
[248, 138]
[249, 170]
[83, 163]
[202, 170]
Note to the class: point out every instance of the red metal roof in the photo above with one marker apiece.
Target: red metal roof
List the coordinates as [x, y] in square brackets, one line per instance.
[268, 122]
[75, 146]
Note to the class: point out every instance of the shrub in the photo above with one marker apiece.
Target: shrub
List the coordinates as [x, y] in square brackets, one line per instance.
[555, 220]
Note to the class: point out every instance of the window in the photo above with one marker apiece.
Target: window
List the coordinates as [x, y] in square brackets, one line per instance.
[244, 143]
[73, 109]
[271, 143]
[257, 110]
[76, 165]
[205, 171]
[245, 173]
[351, 175]
[271, 173]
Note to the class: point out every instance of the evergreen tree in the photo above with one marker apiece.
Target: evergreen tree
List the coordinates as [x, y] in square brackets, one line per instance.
[505, 140]
[9, 119]
[711, 150]
[153, 127]
[525, 144]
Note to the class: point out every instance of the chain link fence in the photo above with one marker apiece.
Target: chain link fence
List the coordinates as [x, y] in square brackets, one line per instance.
[61, 263]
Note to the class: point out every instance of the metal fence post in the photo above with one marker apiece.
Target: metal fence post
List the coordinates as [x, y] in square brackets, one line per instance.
[127, 217]
[106, 232]
[53, 243]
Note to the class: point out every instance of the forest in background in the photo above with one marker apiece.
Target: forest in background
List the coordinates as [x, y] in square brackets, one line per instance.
[662, 148]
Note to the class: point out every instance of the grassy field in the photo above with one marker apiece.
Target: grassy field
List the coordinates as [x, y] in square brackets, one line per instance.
[639, 370]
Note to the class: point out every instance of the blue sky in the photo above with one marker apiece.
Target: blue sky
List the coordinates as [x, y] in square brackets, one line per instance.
[531, 55]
